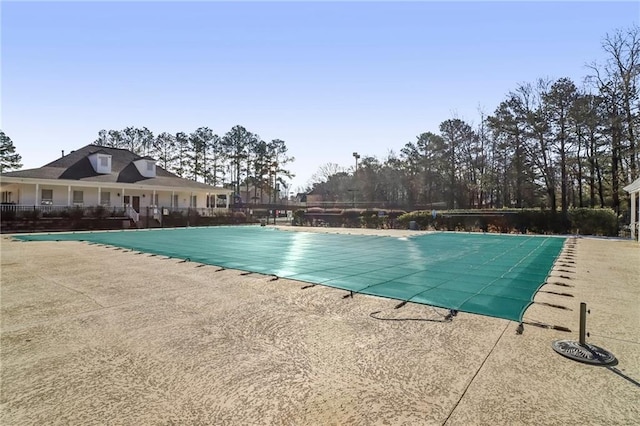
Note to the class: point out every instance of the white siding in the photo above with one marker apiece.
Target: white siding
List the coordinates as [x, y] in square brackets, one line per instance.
[101, 163]
[147, 168]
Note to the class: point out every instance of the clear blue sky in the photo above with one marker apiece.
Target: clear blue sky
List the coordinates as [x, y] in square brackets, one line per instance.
[329, 78]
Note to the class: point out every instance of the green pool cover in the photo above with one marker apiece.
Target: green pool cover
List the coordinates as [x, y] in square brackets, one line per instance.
[487, 274]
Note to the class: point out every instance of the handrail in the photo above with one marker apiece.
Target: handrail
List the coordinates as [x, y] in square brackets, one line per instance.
[133, 215]
[157, 214]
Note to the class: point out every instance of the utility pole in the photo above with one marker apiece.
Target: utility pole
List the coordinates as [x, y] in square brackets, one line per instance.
[356, 156]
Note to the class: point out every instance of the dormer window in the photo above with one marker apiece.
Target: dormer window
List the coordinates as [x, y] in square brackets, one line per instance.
[101, 162]
[146, 167]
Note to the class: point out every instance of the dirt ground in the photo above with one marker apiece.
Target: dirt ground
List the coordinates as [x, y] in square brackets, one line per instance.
[94, 335]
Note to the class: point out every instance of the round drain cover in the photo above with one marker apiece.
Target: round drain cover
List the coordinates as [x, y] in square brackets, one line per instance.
[590, 354]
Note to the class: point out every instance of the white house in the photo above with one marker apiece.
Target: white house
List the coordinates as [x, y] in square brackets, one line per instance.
[110, 177]
[634, 190]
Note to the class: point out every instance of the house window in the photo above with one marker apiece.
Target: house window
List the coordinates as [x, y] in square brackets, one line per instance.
[6, 197]
[104, 162]
[78, 197]
[105, 199]
[175, 200]
[150, 165]
[194, 201]
[47, 196]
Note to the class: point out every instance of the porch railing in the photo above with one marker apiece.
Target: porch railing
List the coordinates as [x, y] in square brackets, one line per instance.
[50, 210]
[132, 214]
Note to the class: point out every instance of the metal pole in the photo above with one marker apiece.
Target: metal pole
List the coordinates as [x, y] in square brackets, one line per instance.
[583, 322]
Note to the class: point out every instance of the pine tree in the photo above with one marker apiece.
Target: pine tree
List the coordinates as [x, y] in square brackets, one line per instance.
[9, 159]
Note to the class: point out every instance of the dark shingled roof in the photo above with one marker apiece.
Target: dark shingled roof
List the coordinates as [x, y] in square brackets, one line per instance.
[76, 166]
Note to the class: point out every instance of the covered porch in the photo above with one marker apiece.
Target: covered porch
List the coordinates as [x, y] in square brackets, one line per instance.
[634, 192]
[133, 200]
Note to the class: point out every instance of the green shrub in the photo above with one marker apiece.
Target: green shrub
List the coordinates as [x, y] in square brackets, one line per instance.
[298, 217]
[32, 214]
[76, 213]
[586, 221]
[370, 220]
[99, 212]
[423, 219]
[351, 218]
[8, 213]
[52, 213]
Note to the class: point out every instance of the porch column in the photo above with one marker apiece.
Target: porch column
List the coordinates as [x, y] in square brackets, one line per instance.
[227, 201]
[153, 199]
[122, 198]
[68, 195]
[215, 201]
[99, 203]
[37, 202]
[634, 215]
[173, 196]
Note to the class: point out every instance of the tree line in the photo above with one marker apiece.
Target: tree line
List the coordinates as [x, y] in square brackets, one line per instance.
[237, 158]
[549, 143]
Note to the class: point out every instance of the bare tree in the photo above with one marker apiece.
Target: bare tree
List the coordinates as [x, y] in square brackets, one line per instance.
[325, 171]
[623, 65]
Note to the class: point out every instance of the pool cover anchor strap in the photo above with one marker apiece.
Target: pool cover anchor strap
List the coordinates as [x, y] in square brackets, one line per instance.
[560, 276]
[557, 293]
[548, 326]
[560, 284]
[553, 305]
[350, 295]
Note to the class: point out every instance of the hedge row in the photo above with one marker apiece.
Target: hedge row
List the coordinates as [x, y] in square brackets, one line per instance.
[181, 219]
[95, 218]
[348, 218]
[583, 221]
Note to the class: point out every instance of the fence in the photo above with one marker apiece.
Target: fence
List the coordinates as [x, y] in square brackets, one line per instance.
[21, 211]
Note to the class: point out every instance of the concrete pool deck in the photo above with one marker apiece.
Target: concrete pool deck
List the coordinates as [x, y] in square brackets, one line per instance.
[93, 335]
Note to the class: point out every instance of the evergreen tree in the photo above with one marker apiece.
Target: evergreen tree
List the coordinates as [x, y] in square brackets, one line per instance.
[9, 158]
